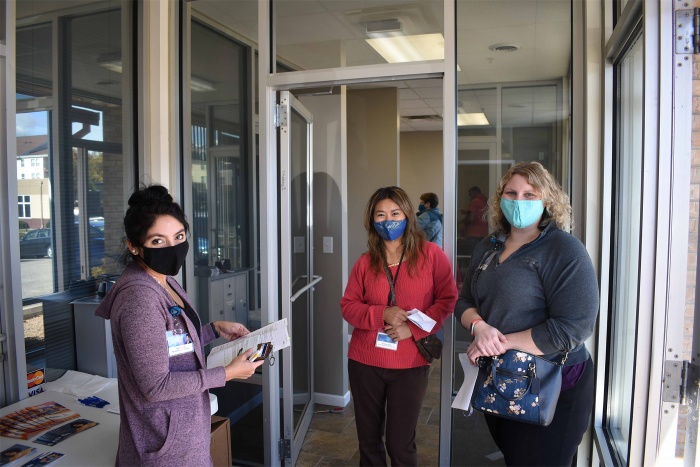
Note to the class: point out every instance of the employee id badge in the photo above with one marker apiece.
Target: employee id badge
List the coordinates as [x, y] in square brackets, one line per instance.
[385, 342]
[179, 342]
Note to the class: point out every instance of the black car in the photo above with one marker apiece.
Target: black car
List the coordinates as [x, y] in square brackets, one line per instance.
[38, 243]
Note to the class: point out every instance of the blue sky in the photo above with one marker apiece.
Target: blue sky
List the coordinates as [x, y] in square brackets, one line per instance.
[35, 123]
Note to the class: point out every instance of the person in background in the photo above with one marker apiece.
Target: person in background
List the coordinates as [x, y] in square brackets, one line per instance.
[388, 376]
[163, 384]
[531, 286]
[475, 225]
[430, 218]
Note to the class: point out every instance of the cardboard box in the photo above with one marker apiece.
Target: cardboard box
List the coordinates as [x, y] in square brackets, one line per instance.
[221, 441]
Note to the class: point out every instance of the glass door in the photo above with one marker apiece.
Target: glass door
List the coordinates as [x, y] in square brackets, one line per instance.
[297, 279]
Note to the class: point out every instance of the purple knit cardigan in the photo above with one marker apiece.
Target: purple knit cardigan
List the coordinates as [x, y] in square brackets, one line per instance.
[164, 401]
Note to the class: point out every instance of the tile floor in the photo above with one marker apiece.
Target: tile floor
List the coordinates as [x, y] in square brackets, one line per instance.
[332, 437]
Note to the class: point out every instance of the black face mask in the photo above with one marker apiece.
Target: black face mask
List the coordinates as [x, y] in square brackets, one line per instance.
[167, 260]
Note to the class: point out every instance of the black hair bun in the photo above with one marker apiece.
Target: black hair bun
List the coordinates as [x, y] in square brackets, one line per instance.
[150, 195]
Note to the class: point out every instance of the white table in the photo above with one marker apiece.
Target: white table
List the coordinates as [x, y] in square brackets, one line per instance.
[94, 447]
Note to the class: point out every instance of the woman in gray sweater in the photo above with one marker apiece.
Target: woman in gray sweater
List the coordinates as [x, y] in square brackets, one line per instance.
[531, 286]
[159, 342]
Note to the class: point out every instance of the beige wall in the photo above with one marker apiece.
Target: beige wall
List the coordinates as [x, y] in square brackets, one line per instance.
[421, 164]
[373, 149]
[39, 190]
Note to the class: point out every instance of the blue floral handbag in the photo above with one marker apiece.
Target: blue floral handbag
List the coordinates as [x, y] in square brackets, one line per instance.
[518, 386]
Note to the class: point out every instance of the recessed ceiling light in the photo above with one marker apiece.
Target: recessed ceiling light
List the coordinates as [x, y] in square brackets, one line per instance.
[505, 47]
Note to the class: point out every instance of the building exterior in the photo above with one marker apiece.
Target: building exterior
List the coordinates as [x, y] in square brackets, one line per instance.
[272, 122]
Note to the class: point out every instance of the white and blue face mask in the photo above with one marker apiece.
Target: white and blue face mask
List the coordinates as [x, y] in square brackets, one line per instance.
[521, 213]
[390, 230]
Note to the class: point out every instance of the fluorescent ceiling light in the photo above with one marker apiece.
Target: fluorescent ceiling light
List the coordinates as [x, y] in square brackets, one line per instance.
[201, 85]
[473, 119]
[112, 61]
[401, 49]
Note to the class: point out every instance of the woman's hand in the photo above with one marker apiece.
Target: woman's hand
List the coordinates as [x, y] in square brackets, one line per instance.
[394, 316]
[241, 368]
[398, 333]
[230, 330]
[488, 342]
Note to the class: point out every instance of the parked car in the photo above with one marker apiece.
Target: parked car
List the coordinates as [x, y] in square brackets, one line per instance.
[38, 243]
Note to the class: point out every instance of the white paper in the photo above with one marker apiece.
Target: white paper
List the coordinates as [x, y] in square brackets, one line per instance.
[464, 396]
[274, 332]
[421, 320]
[80, 384]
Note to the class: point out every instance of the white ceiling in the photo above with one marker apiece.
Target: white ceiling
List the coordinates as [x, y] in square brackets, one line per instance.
[315, 33]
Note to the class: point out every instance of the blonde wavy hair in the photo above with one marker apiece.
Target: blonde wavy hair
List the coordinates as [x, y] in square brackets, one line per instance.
[556, 201]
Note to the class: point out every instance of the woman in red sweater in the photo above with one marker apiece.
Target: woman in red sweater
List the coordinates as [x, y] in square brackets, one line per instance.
[388, 375]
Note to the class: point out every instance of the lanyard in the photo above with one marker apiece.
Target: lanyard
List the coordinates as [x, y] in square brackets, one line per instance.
[391, 300]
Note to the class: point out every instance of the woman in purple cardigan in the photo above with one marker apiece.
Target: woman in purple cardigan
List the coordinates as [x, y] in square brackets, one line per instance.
[159, 342]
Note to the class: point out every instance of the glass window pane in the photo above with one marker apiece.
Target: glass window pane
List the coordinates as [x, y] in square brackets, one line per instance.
[222, 203]
[628, 192]
[219, 158]
[331, 33]
[513, 60]
[74, 168]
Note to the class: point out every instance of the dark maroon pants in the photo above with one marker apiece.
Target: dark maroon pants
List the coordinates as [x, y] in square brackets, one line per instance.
[387, 402]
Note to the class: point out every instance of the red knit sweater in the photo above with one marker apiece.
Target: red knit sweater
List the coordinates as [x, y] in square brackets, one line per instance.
[430, 288]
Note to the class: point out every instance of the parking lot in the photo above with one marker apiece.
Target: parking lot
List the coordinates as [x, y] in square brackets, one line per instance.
[37, 277]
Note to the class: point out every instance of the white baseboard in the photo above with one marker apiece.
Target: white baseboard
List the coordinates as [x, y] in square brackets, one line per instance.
[333, 400]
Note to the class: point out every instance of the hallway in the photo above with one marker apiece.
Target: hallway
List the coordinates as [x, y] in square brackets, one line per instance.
[332, 438]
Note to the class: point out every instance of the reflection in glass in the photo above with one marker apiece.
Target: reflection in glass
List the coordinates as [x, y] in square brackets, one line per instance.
[329, 34]
[513, 60]
[628, 191]
[220, 230]
[74, 165]
[300, 265]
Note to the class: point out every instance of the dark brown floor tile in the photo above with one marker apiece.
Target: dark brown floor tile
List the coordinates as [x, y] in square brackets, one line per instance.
[351, 429]
[332, 422]
[424, 414]
[307, 459]
[428, 456]
[427, 436]
[330, 444]
[434, 419]
[332, 461]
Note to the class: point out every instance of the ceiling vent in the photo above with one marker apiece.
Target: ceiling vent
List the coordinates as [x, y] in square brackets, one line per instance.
[383, 25]
[404, 19]
[422, 118]
[505, 47]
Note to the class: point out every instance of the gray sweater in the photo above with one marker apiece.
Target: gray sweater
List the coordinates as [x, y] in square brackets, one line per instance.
[548, 285]
[164, 401]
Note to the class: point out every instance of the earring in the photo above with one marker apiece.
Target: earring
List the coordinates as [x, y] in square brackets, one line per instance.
[133, 251]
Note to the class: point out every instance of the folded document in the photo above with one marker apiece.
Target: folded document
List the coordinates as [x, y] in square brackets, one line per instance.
[421, 320]
[276, 333]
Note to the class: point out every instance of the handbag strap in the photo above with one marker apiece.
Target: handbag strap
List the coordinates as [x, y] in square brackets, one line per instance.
[391, 300]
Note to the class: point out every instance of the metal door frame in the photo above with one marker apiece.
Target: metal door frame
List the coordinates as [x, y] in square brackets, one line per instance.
[292, 437]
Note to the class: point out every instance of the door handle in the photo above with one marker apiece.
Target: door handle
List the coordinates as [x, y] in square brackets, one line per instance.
[316, 280]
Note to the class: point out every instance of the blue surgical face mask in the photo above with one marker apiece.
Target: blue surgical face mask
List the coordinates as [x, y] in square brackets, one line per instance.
[390, 230]
[421, 207]
[522, 213]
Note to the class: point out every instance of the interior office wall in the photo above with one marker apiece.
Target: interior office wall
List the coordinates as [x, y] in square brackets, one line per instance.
[421, 164]
[330, 349]
[373, 149]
